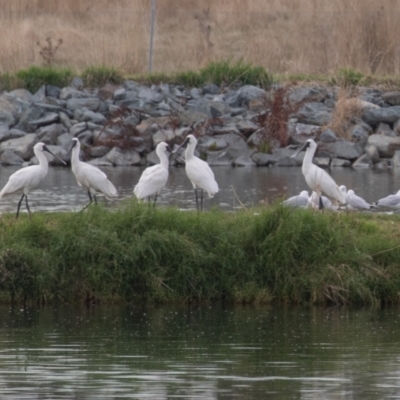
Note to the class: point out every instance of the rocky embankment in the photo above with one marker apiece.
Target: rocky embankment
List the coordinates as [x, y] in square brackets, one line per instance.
[122, 124]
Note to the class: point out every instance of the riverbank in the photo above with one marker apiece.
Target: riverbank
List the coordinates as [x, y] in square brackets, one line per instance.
[260, 255]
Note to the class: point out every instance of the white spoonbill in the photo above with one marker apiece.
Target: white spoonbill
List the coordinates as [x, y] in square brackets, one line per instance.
[198, 171]
[317, 179]
[154, 178]
[391, 201]
[27, 178]
[355, 202]
[90, 177]
[298, 201]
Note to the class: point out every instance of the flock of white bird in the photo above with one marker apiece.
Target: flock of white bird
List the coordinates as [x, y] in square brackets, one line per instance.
[151, 182]
[326, 194]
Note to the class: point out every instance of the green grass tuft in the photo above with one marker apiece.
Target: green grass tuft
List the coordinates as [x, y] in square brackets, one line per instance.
[136, 254]
[99, 76]
[34, 77]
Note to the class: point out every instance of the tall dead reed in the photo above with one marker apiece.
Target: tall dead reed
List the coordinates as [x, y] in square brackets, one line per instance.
[286, 36]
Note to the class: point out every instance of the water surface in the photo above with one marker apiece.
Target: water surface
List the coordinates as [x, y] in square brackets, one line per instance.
[239, 187]
[199, 353]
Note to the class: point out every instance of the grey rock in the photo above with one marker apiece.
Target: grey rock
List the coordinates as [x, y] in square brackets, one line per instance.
[91, 103]
[65, 140]
[328, 136]
[385, 129]
[100, 162]
[243, 162]
[373, 153]
[209, 143]
[150, 95]
[23, 95]
[8, 157]
[118, 157]
[364, 161]
[287, 161]
[314, 114]
[85, 115]
[65, 120]
[120, 94]
[98, 151]
[373, 116]
[343, 149]
[385, 145]
[50, 133]
[359, 134]
[244, 95]
[210, 88]
[47, 119]
[79, 128]
[23, 147]
[264, 159]
[53, 91]
[69, 92]
[246, 127]
[396, 159]
[392, 98]
[77, 82]
[340, 162]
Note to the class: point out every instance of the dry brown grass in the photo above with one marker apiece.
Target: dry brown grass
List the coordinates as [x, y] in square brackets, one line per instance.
[284, 36]
[347, 107]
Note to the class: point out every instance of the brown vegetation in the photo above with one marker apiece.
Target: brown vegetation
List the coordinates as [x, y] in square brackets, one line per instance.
[285, 36]
[347, 107]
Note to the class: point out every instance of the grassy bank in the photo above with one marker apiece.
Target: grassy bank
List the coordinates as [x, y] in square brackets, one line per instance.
[135, 254]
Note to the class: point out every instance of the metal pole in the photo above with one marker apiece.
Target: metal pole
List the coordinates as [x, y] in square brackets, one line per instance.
[152, 22]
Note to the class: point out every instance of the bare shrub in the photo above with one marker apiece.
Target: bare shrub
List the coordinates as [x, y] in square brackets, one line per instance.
[347, 107]
[274, 119]
[48, 50]
[126, 139]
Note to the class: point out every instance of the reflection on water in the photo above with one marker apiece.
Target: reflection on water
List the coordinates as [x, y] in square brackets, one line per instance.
[199, 353]
[238, 186]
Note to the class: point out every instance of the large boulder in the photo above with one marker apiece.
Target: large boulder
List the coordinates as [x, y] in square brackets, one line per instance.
[386, 145]
[22, 147]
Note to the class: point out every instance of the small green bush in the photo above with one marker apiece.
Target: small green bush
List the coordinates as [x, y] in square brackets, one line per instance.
[34, 77]
[348, 77]
[99, 76]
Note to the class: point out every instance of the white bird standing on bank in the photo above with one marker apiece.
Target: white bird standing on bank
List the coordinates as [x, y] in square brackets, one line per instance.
[198, 171]
[27, 178]
[299, 201]
[90, 177]
[317, 179]
[353, 201]
[154, 178]
[391, 201]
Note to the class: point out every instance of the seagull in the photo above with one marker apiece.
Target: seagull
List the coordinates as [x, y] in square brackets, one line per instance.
[27, 178]
[90, 177]
[298, 201]
[355, 202]
[154, 178]
[198, 171]
[391, 201]
[315, 202]
[317, 179]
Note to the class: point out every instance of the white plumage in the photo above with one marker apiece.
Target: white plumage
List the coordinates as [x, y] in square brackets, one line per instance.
[199, 172]
[154, 178]
[391, 201]
[299, 201]
[353, 201]
[318, 179]
[90, 177]
[27, 178]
